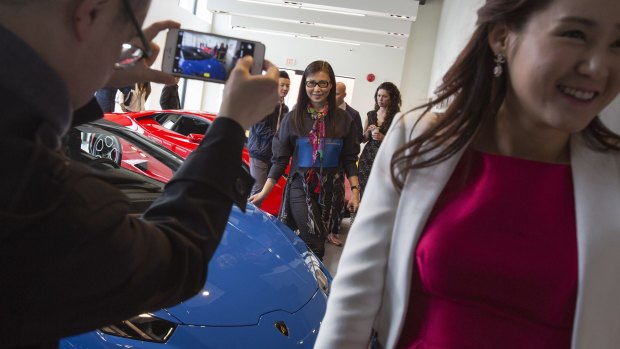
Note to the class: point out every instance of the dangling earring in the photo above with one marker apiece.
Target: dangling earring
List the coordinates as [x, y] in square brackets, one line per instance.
[498, 69]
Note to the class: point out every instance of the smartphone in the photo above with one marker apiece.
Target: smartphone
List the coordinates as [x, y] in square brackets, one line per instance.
[210, 57]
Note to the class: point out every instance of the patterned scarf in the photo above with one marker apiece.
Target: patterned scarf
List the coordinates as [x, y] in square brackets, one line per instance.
[317, 136]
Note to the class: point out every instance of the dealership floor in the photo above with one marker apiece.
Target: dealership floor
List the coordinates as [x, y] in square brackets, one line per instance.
[332, 252]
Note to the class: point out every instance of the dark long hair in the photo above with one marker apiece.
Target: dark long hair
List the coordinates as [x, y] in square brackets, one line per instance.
[393, 108]
[474, 95]
[301, 111]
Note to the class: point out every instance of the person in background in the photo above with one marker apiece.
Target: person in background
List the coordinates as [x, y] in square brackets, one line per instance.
[341, 93]
[378, 121]
[106, 97]
[319, 138]
[494, 224]
[90, 263]
[261, 136]
[169, 98]
[137, 97]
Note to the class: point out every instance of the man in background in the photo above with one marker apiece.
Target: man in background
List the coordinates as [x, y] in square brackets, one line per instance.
[261, 136]
[341, 93]
[169, 98]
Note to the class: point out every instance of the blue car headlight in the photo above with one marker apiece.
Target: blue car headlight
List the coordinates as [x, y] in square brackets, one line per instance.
[144, 327]
[319, 274]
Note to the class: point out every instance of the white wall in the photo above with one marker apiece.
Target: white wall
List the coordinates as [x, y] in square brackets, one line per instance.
[420, 54]
[457, 22]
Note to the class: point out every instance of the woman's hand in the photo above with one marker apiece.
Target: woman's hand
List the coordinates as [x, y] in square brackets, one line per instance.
[377, 135]
[257, 198]
[141, 71]
[354, 201]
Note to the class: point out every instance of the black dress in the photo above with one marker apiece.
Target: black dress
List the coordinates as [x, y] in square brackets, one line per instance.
[371, 148]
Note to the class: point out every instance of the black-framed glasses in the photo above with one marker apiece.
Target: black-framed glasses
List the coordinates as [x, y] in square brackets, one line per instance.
[130, 53]
[313, 84]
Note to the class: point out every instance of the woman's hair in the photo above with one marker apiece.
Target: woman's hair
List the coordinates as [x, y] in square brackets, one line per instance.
[474, 95]
[301, 110]
[393, 107]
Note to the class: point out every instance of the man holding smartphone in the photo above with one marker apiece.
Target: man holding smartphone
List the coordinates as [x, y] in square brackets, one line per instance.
[71, 258]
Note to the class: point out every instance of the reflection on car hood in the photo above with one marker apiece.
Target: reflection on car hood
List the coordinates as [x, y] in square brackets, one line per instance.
[255, 270]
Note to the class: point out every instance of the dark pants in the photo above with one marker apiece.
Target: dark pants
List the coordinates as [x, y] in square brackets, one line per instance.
[299, 212]
[106, 97]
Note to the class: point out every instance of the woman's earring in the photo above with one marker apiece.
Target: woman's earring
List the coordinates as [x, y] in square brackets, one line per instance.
[498, 69]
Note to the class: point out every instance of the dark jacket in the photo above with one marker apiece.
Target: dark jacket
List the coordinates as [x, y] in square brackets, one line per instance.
[169, 98]
[261, 135]
[71, 258]
[357, 121]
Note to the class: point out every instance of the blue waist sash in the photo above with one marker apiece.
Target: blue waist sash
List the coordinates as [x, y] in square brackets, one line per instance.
[331, 152]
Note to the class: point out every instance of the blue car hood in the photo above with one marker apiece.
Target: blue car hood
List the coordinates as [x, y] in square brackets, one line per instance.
[255, 270]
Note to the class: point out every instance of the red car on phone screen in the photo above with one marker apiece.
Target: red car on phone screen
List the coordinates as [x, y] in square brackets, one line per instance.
[181, 132]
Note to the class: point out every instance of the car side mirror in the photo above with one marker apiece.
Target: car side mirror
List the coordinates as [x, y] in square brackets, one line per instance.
[195, 137]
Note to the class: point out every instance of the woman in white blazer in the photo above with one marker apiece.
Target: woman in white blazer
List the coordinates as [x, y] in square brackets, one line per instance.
[525, 91]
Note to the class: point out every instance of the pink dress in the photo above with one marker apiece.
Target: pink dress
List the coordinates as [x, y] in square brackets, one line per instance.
[496, 266]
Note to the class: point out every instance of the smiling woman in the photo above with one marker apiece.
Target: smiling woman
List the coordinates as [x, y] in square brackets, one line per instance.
[494, 224]
[318, 138]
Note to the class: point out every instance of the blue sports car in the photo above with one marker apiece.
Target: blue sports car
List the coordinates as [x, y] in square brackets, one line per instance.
[265, 288]
[196, 61]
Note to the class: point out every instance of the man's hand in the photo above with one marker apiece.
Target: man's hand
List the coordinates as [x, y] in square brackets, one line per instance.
[248, 98]
[141, 71]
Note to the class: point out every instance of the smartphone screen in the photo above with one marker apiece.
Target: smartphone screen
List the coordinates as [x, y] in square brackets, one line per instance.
[207, 56]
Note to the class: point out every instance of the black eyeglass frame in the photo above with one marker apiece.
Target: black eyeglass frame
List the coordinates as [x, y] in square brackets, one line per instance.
[146, 51]
[318, 83]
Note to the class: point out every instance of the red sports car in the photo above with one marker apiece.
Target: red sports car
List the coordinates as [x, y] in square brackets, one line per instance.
[181, 132]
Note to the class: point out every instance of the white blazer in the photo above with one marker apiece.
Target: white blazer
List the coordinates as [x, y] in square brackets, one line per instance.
[371, 288]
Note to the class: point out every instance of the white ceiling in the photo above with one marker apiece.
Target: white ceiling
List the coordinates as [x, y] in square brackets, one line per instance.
[355, 22]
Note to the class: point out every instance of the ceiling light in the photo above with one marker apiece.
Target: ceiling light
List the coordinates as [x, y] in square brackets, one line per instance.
[292, 4]
[333, 11]
[320, 38]
[237, 27]
[286, 4]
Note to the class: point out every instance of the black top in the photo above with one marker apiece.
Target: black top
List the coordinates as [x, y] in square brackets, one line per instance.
[285, 140]
[169, 98]
[71, 258]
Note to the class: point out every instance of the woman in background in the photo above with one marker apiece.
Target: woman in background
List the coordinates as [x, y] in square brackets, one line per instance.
[495, 223]
[319, 138]
[378, 121]
[138, 97]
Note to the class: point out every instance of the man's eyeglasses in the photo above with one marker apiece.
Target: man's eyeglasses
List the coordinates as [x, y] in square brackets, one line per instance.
[130, 53]
[313, 84]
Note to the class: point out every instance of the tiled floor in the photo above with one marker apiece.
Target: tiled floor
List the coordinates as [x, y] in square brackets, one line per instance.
[332, 253]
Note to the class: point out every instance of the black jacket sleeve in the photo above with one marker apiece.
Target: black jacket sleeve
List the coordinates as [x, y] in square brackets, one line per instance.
[282, 147]
[350, 147]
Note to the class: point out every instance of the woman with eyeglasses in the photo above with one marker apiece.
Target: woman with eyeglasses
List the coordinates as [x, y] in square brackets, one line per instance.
[316, 135]
[387, 104]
